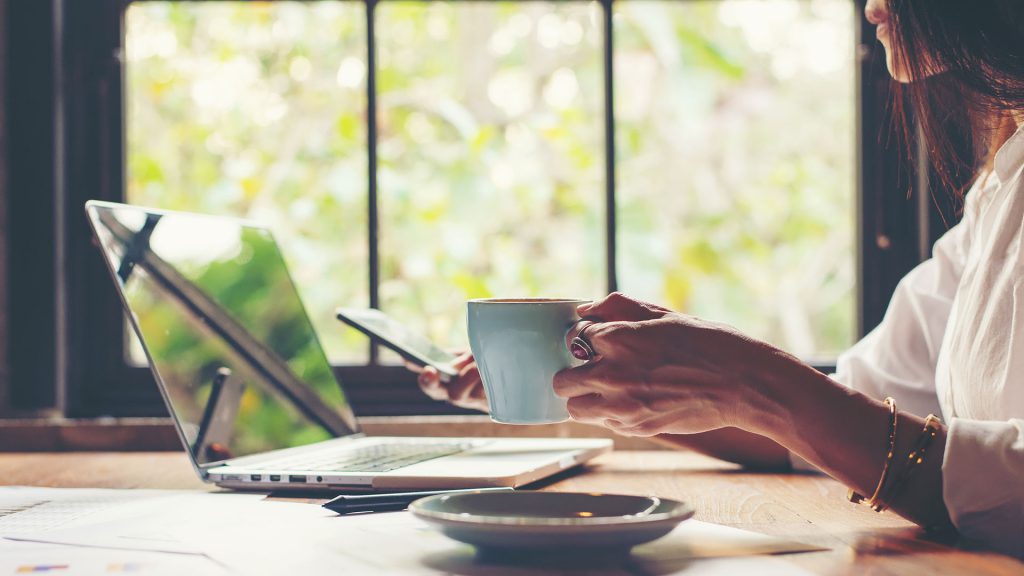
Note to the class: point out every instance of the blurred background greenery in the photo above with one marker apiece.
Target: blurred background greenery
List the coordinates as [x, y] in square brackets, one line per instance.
[735, 136]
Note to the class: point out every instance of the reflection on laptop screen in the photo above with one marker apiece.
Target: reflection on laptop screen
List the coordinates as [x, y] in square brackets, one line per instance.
[225, 331]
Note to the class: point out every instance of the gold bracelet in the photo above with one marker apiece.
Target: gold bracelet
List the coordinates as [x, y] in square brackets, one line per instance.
[915, 458]
[856, 497]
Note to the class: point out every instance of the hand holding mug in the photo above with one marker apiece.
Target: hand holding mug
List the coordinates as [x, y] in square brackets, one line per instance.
[653, 371]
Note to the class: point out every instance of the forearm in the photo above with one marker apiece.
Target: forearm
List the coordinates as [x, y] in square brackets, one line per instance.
[846, 435]
[733, 445]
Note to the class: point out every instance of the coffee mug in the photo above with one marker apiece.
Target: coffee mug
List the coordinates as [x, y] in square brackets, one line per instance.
[519, 345]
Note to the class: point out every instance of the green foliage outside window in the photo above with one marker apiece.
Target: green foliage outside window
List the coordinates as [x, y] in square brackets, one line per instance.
[735, 152]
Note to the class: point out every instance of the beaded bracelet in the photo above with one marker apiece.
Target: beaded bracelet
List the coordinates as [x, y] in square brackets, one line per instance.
[915, 458]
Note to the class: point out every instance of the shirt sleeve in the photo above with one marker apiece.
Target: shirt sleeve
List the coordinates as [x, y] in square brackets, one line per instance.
[990, 512]
[898, 357]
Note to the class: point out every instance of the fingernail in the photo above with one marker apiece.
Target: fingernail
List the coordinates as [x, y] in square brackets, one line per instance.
[584, 307]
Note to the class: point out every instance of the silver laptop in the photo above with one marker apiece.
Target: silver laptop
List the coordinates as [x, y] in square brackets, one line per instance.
[248, 385]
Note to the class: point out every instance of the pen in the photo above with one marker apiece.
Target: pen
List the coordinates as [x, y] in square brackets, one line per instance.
[351, 504]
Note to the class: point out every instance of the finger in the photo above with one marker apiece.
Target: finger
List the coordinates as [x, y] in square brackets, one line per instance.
[461, 387]
[478, 399]
[618, 425]
[412, 367]
[644, 430]
[462, 360]
[609, 339]
[578, 331]
[478, 393]
[428, 377]
[587, 408]
[572, 382]
[429, 381]
[617, 306]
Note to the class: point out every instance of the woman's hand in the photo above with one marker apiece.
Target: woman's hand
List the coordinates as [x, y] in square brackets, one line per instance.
[660, 372]
[465, 390]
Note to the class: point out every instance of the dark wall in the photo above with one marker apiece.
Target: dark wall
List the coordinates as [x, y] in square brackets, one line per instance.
[3, 206]
[31, 182]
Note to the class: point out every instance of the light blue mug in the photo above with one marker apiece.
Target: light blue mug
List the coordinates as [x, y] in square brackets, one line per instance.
[519, 345]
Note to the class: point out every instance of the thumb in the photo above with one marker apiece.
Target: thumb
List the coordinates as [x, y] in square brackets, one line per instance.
[619, 307]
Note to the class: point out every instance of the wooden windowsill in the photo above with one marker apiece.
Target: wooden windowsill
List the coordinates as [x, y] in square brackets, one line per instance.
[157, 434]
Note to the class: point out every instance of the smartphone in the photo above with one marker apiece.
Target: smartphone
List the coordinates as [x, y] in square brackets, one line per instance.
[391, 333]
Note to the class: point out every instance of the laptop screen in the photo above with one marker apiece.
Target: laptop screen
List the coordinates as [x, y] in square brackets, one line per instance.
[218, 315]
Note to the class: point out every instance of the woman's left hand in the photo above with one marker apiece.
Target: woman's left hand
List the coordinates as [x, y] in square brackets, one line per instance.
[655, 371]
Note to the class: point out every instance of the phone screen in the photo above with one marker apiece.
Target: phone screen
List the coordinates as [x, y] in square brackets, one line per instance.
[393, 332]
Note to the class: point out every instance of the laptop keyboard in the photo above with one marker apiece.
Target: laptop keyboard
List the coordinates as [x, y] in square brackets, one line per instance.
[382, 457]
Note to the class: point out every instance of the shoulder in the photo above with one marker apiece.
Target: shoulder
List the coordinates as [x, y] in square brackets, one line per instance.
[980, 194]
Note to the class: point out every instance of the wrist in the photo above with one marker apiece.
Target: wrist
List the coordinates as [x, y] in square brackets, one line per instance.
[783, 393]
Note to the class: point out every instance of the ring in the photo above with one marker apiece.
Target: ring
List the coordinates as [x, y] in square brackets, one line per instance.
[580, 348]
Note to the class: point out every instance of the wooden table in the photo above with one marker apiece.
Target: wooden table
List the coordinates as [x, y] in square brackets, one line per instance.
[808, 508]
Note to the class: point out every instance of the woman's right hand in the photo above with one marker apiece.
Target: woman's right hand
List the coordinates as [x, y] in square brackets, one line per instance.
[465, 390]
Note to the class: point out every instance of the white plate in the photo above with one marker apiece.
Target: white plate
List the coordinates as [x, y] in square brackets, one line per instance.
[551, 521]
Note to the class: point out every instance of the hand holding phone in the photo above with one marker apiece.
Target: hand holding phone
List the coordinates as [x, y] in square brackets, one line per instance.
[391, 333]
[442, 375]
[465, 390]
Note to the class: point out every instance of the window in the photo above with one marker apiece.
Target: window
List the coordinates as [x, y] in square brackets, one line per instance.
[491, 155]
[411, 154]
[258, 110]
[736, 134]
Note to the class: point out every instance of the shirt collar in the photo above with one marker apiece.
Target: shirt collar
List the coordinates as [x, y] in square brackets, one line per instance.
[1010, 156]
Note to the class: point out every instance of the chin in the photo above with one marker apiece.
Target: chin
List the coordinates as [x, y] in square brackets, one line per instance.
[897, 72]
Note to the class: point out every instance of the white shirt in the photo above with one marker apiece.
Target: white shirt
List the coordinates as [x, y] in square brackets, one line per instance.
[952, 343]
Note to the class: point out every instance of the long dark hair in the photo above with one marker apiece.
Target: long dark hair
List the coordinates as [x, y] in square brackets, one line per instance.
[967, 62]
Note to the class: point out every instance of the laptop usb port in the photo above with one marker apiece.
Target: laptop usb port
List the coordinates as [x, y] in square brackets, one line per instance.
[296, 478]
[275, 478]
[256, 477]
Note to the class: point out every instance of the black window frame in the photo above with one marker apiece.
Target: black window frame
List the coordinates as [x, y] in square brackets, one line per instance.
[65, 106]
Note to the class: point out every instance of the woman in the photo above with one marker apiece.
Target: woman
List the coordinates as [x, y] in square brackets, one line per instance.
[952, 341]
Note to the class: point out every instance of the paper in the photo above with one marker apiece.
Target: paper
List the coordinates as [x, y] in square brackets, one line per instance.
[69, 516]
[151, 520]
[32, 558]
[398, 543]
[250, 535]
[27, 510]
[696, 539]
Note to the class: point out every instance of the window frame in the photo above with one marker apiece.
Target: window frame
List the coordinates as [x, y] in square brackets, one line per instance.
[59, 293]
[4, 279]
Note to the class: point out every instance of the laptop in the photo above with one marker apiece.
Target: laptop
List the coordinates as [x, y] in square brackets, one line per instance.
[245, 378]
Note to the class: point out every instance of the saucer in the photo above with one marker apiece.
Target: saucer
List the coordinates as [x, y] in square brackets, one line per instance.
[551, 521]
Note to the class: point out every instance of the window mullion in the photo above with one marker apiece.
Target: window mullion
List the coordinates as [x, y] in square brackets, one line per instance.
[609, 135]
[373, 218]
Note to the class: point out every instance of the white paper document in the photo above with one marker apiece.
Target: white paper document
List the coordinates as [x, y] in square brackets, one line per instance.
[149, 520]
[305, 539]
[199, 532]
[32, 510]
[18, 558]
